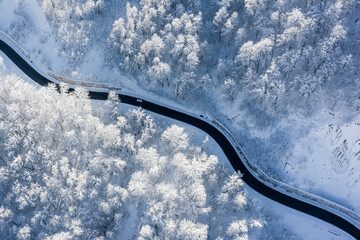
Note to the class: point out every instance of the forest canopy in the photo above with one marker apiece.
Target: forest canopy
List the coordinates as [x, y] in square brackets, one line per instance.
[71, 170]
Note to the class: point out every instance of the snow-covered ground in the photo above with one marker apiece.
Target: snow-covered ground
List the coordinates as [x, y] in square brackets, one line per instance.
[318, 155]
[127, 231]
[328, 161]
[309, 150]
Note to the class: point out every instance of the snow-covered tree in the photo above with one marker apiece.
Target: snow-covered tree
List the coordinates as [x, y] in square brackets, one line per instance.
[229, 90]
[146, 37]
[175, 139]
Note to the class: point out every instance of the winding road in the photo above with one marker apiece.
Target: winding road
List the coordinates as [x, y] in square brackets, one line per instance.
[332, 216]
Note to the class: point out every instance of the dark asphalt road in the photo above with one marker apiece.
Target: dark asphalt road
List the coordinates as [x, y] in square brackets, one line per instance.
[224, 143]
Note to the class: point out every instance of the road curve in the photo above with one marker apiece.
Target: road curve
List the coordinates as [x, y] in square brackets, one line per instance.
[230, 152]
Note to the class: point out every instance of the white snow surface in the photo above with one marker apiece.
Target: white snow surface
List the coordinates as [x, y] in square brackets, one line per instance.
[309, 164]
[128, 229]
[7, 8]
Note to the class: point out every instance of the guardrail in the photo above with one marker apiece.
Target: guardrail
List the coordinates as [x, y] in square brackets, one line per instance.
[82, 83]
[55, 76]
[76, 82]
[13, 42]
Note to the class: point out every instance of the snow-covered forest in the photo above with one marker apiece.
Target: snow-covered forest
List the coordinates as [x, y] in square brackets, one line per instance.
[280, 56]
[282, 75]
[70, 169]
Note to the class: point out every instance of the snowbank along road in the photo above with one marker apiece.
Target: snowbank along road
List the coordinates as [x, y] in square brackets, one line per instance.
[343, 219]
